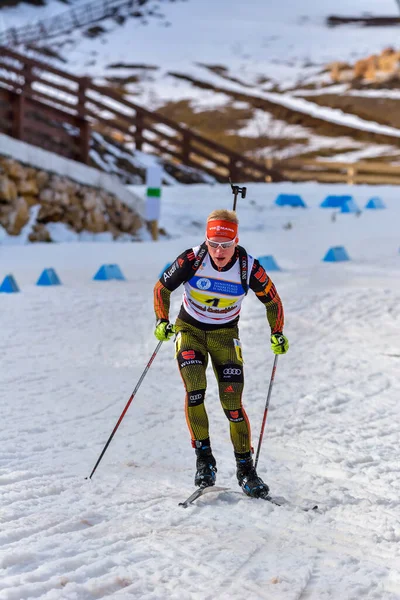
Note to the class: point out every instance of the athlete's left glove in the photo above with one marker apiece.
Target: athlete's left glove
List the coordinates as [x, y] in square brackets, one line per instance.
[279, 343]
[164, 330]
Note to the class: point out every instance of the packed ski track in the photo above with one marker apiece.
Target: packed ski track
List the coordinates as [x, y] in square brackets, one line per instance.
[71, 356]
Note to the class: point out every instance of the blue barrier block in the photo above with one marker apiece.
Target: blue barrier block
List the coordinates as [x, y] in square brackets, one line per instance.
[107, 272]
[349, 207]
[117, 273]
[375, 203]
[335, 201]
[9, 285]
[103, 274]
[336, 254]
[269, 263]
[48, 277]
[290, 200]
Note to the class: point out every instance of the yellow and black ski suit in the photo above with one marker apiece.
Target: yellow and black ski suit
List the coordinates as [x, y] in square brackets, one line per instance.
[196, 341]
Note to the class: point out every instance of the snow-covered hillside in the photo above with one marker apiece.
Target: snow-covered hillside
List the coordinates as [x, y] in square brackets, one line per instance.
[256, 51]
[274, 39]
[71, 356]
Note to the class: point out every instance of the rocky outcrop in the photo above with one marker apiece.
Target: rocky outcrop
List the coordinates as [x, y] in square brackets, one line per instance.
[377, 67]
[80, 207]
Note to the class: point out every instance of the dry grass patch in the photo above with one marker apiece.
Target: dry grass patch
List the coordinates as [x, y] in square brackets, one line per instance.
[222, 125]
[379, 110]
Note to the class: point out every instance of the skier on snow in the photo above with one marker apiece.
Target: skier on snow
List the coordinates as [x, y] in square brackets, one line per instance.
[216, 276]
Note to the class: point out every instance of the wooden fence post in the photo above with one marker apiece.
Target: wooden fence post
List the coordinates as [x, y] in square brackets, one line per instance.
[269, 162]
[18, 116]
[83, 123]
[28, 78]
[84, 139]
[81, 106]
[351, 174]
[139, 126]
[186, 148]
[233, 170]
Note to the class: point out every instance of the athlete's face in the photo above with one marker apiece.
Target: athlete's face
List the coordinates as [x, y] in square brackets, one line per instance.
[221, 256]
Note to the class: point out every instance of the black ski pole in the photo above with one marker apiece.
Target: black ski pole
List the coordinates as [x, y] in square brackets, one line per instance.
[271, 383]
[125, 409]
[235, 191]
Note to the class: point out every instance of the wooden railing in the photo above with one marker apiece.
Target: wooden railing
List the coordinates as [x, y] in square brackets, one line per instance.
[366, 21]
[58, 111]
[53, 109]
[375, 173]
[79, 16]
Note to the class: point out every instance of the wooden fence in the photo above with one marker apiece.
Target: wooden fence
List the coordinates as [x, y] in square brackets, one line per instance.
[375, 173]
[79, 16]
[366, 21]
[58, 111]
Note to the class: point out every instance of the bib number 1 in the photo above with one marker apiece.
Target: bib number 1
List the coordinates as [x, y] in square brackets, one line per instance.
[212, 301]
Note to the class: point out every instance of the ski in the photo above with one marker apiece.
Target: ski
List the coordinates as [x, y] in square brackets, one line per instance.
[276, 500]
[200, 492]
[281, 501]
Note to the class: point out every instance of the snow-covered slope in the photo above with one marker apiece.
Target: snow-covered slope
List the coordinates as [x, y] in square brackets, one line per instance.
[273, 39]
[71, 356]
[263, 47]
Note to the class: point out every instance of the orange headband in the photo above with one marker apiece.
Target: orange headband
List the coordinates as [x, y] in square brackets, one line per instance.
[218, 227]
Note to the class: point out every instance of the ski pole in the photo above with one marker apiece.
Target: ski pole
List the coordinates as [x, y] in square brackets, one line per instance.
[126, 408]
[271, 383]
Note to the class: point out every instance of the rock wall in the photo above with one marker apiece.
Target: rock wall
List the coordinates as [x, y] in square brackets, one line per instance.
[81, 207]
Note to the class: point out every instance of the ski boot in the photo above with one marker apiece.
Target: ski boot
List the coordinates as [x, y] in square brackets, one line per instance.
[249, 481]
[206, 467]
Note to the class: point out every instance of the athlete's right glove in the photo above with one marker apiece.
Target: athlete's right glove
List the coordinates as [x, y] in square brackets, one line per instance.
[164, 330]
[279, 343]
